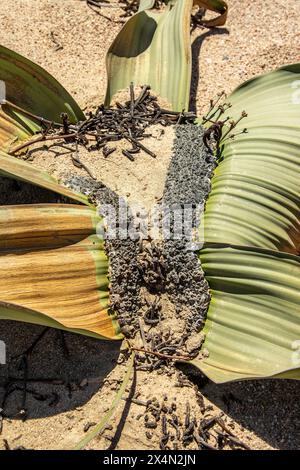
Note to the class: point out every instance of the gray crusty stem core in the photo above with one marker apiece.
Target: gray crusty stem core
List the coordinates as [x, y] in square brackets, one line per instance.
[188, 183]
[182, 279]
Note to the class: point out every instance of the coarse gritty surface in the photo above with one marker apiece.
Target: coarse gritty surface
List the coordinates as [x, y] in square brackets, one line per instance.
[187, 188]
[263, 414]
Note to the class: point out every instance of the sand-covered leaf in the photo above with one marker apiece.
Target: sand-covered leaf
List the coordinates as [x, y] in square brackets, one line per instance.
[253, 324]
[30, 87]
[54, 270]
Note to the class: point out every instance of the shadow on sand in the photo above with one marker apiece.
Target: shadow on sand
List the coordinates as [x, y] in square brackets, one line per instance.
[196, 72]
[82, 371]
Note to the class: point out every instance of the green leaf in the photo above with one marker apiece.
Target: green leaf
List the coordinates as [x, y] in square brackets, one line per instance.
[146, 4]
[253, 324]
[255, 197]
[30, 87]
[252, 236]
[154, 48]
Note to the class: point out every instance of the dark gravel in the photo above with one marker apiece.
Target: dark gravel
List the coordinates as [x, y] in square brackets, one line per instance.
[188, 184]
[190, 171]
[125, 279]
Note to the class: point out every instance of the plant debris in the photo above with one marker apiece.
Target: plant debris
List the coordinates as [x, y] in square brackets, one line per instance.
[127, 121]
[131, 7]
[196, 425]
[58, 45]
[214, 137]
